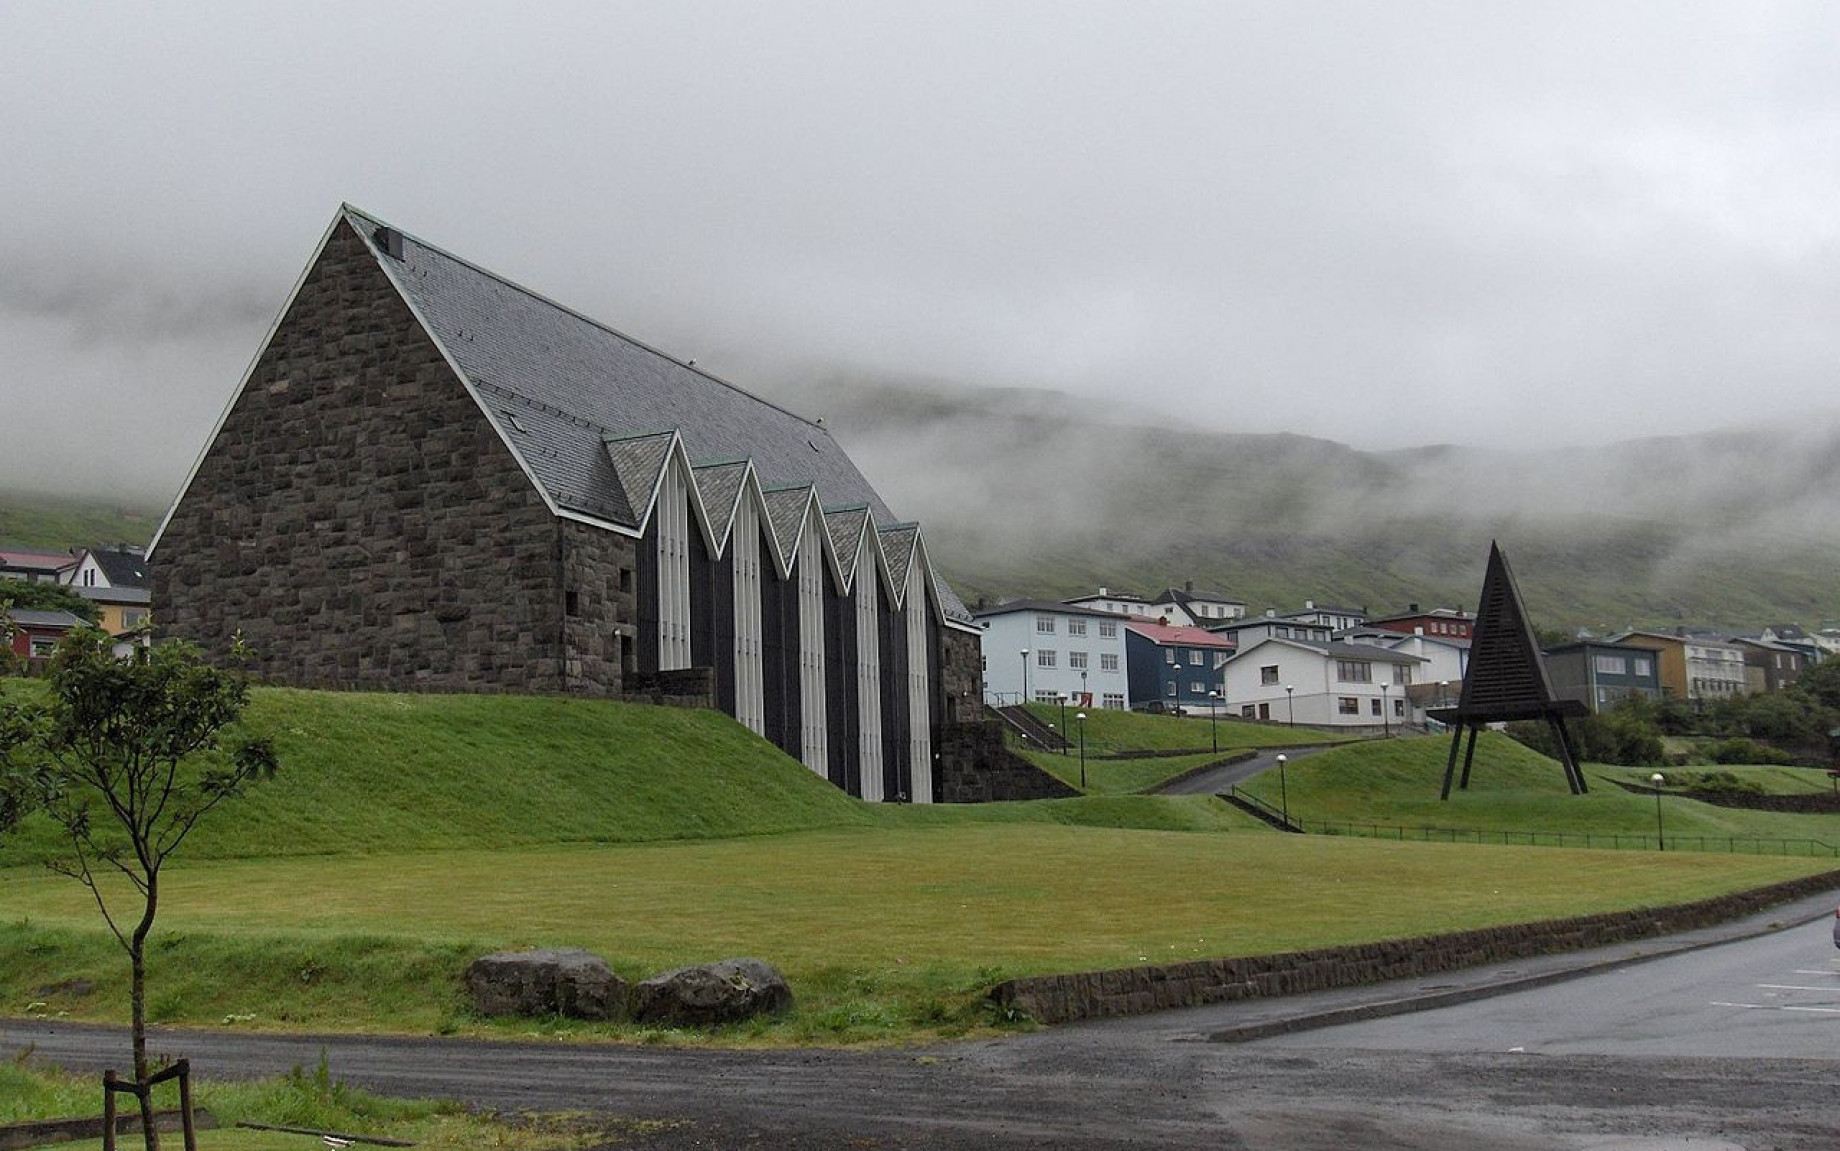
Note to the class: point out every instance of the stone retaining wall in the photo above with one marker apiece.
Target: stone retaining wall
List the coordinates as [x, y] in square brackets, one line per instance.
[1137, 990]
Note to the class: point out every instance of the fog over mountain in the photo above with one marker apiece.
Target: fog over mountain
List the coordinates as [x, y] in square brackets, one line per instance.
[1029, 491]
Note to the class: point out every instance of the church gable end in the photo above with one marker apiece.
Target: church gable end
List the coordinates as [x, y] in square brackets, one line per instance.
[357, 518]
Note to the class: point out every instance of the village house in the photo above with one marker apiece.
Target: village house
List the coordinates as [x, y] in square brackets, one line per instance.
[431, 478]
[1323, 683]
[1044, 651]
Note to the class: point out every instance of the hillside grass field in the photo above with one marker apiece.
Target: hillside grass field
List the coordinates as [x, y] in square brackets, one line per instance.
[406, 835]
[1396, 784]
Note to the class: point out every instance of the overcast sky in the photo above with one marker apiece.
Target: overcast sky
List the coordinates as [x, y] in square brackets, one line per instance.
[1383, 224]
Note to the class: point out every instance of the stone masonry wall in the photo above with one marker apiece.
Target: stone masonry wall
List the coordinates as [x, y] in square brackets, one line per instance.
[359, 521]
[975, 766]
[1137, 990]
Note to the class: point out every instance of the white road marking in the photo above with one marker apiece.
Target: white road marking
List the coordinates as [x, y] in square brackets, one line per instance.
[1820, 1010]
[1788, 987]
[1745, 1006]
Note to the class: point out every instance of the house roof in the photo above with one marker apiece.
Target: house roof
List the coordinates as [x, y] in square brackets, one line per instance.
[1184, 596]
[1044, 605]
[121, 566]
[25, 559]
[43, 618]
[595, 417]
[1337, 649]
[115, 595]
[560, 386]
[1165, 635]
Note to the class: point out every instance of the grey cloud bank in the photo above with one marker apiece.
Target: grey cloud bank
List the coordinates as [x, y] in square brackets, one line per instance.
[1384, 224]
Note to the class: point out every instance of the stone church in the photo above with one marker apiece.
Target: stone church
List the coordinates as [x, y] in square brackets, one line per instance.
[433, 479]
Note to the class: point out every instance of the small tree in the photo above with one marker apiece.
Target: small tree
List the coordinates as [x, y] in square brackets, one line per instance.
[133, 756]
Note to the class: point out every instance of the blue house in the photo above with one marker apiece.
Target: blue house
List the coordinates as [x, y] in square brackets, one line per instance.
[1598, 674]
[1170, 668]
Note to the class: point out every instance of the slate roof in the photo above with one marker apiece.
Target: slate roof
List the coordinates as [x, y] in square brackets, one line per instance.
[560, 385]
[122, 567]
[594, 413]
[1043, 605]
[43, 618]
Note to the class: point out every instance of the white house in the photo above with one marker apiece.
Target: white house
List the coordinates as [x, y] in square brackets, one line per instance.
[1043, 651]
[1333, 684]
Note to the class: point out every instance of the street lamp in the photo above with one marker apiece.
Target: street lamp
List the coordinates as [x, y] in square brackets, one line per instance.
[1658, 779]
[1290, 706]
[1061, 697]
[1081, 716]
[1284, 792]
[1214, 719]
[1386, 714]
[1024, 698]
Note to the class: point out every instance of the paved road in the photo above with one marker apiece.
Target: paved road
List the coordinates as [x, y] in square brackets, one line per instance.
[1221, 778]
[1775, 996]
[1156, 1082]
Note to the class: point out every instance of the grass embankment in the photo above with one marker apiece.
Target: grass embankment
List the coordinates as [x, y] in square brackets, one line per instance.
[1115, 739]
[406, 835]
[1396, 784]
[305, 1098]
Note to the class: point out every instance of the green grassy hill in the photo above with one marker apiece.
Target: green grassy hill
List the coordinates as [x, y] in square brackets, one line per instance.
[56, 523]
[372, 773]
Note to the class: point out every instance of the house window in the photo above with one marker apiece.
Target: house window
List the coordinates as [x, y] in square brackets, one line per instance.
[1644, 667]
[1076, 627]
[1108, 661]
[571, 602]
[1169, 689]
[1045, 657]
[1402, 673]
[1610, 664]
[1197, 659]
[1268, 675]
[1169, 657]
[1108, 629]
[1076, 659]
[1348, 705]
[626, 579]
[1399, 708]
[1114, 701]
[42, 646]
[1044, 624]
[1374, 706]
[1353, 671]
[134, 617]
[1246, 712]
[1197, 687]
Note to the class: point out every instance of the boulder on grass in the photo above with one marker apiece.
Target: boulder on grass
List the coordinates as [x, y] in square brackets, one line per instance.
[711, 994]
[565, 981]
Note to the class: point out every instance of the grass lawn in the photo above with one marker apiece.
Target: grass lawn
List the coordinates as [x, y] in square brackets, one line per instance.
[1396, 784]
[887, 933]
[306, 1098]
[1111, 732]
[405, 835]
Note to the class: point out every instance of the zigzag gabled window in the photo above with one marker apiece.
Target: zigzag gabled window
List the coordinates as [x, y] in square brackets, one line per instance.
[814, 742]
[869, 671]
[744, 544]
[673, 513]
[919, 693]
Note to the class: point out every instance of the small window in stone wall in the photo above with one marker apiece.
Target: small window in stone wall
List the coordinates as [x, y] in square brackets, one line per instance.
[571, 602]
[626, 579]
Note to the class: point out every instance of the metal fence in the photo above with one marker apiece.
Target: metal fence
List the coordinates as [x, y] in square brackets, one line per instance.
[1600, 840]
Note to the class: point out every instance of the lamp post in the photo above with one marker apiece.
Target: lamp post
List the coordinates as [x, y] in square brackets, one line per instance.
[1284, 792]
[1386, 713]
[1660, 840]
[1214, 720]
[1081, 716]
[1085, 695]
[1290, 706]
[1024, 698]
[1061, 698]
